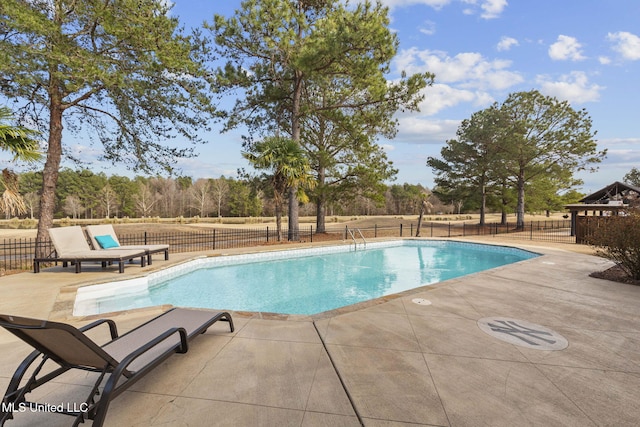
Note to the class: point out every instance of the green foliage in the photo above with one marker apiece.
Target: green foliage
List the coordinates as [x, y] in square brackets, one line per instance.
[545, 139]
[21, 143]
[529, 143]
[406, 198]
[18, 140]
[618, 239]
[633, 177]
[468, 167]
[243, 201]
[315, 71]
[289, 168]
[123, 70]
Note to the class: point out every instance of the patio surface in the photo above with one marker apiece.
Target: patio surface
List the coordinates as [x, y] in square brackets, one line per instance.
[391, 362]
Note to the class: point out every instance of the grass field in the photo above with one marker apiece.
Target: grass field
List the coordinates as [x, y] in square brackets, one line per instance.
[9, 228]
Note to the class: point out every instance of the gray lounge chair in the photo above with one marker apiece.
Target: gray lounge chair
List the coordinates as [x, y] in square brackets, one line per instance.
[95, 232]
[71, 245]
[118, 364]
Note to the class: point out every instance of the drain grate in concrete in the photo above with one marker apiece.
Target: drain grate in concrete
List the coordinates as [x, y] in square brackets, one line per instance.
[421, 301]
[523, 333]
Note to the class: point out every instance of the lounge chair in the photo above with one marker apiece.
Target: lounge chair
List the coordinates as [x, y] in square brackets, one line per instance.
[71, 246]
[104, 237]
[118, 364]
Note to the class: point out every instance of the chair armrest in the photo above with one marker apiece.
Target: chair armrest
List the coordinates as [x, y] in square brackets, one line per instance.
[184, 346]
[113, 330]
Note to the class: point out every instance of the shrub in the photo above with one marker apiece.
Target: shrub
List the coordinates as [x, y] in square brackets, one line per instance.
[617, 238]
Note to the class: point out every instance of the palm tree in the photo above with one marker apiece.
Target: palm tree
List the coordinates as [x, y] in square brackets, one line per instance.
[425, 205]
[19, 141]
[289, 168]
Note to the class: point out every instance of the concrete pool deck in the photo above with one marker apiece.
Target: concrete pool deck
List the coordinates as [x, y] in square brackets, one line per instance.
[391, 362]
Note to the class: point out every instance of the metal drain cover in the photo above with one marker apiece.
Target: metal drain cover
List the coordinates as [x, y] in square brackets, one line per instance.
[523, 333]
[421, 301]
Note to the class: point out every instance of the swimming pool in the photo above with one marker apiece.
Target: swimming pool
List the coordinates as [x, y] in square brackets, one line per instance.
[305, 281]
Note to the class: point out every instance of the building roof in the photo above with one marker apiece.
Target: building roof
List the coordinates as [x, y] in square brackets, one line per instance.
[619, 189]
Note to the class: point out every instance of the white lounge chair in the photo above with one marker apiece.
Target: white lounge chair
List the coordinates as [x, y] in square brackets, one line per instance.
[71, 245]
[103, 236]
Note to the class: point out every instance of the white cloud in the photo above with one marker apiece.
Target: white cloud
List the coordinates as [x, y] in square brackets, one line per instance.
[436, 4]
[574, 87]
[566, 48]
[469, 70]
[626, 142]
[423, 131]
[626, 44]
[506, 43]
[439, 96]
[492, 8]
[428, 28]
[604, 60]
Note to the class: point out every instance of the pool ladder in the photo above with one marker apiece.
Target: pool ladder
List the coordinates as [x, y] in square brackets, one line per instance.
[352, 233]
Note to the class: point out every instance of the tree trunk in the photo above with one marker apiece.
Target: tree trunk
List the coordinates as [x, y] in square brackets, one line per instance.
[50, 176]
[279, 219]
[483, 205]
[422, 209]
[321, 215]
[294, 223]
[520, 204]
[321, 203]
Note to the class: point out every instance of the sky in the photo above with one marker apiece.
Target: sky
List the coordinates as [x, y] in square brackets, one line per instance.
[584, 51]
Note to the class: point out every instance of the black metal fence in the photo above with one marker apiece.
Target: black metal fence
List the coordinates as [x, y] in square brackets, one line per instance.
[17, 254]
[209, 240]
[555, 231]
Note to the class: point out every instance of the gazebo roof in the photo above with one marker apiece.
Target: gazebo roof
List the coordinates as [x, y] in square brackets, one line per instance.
[616, 189]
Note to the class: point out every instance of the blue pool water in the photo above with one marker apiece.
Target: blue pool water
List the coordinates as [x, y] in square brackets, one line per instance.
[313, 284]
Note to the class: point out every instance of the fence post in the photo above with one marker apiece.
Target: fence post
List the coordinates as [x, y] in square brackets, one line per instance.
[311, 233]
[267, 234]
[400, 229]
[375, 230]
[145, 238]
[411, 231]
[531, 231]
[346, 231]
[464, 229]
[214, 239]
[449, 229]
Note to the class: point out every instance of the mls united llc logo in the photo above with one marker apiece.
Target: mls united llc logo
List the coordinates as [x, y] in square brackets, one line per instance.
[68, 407]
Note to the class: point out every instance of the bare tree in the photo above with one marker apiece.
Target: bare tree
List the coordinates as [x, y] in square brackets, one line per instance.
[200, 196]
[168, 191]
[145, 200]
[73, 206]
[108, 200]
[31, 201]
[219, 189]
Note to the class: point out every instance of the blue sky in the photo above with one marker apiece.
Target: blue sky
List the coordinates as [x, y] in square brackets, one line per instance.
[583, 51]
